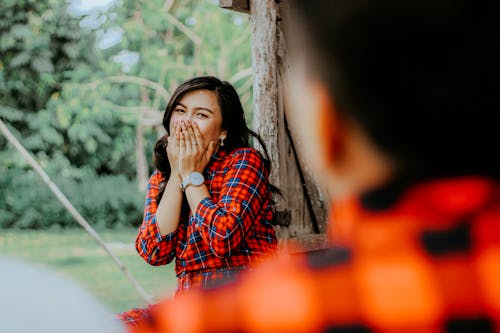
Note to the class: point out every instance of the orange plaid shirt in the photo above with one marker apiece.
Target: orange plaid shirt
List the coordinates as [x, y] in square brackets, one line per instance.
[232, 228]
[419, 259]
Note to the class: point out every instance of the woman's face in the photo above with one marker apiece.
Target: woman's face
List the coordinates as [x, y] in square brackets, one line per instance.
[200, 107]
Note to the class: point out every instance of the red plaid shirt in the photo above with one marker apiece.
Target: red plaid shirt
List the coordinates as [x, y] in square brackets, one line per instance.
[425, 259]
[232, 228]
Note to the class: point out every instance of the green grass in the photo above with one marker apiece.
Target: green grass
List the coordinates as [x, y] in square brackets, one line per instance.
[75, 254]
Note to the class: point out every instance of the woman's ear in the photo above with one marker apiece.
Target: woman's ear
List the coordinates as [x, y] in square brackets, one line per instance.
[223, 135]
[222, 138]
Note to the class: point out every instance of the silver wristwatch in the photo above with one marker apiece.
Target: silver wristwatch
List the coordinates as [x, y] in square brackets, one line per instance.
[195, 179]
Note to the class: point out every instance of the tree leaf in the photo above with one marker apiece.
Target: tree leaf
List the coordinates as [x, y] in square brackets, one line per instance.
[10, 114]
[6, 42]
[42, 65]
[20, 31]
[20, 59]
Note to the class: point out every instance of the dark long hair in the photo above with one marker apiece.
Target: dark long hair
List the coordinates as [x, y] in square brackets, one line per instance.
[420, 77]
[233, 121]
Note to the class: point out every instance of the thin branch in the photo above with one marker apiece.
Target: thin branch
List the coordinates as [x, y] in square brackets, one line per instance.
[246, 86]
[150, 116]
[245, 98]
[153, 117]
[163, 72]
[146, 110]
[132, 79]
[242, 38]
[71, 209]
[241, 75]
[168, 5]
[223, 52]
[140, 156]
[182, 27]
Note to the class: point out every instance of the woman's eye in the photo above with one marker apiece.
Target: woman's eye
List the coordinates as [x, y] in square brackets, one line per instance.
[202, 115]
[179, 110]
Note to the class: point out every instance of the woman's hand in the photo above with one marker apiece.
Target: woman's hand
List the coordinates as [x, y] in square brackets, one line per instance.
[173, 148]
[194, 155]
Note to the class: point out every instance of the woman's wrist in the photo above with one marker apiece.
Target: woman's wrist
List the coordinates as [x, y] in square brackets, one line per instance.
[187, 172]
[175, 177]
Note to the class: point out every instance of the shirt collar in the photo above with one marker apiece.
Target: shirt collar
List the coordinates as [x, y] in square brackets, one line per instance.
[219, 155]
[216, 159]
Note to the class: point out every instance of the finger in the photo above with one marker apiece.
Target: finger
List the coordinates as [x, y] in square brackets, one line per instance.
[186, 144]
[191, 137]
[176, 126]
[198, 137]
[182, 144]
[171, 142]
[210, 150]
[177, 139]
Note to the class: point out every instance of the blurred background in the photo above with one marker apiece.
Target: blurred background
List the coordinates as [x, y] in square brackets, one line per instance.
[83, 86]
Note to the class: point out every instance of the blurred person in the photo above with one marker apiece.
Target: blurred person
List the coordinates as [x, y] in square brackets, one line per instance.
[209, 202]
[397, 107]
[33, 299]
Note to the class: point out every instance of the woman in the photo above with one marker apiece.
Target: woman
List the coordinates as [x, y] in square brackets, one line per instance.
[208, 203]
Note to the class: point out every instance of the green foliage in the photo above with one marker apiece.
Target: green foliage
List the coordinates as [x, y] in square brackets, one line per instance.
[105, 201]
[169, 56]
[35, 37]
[76, 103]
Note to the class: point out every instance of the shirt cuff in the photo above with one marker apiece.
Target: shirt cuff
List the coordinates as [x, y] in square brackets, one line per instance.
[158, 236]
[203, 209]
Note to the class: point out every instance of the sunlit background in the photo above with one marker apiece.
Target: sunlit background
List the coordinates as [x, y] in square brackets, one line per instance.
[83, 85]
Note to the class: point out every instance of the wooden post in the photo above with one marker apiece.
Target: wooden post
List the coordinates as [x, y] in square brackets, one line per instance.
[301, 211]
[269, 65]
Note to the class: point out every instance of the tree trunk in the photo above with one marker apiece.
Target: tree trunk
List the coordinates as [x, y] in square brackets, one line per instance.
[141, 162]
[301, 211]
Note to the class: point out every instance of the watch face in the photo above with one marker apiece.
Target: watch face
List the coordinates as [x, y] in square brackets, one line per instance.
[196, 178]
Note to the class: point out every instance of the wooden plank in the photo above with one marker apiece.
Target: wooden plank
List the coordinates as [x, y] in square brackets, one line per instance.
[304, 243]
[270, 123]
[313, 199]
[301, 211]
[313, 194]
[242, 6]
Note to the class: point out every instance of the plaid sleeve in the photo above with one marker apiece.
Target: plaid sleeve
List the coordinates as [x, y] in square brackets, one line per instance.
[150, 244]
[223, 224]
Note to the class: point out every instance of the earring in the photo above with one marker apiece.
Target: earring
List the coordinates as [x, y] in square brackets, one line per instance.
[222, 142]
